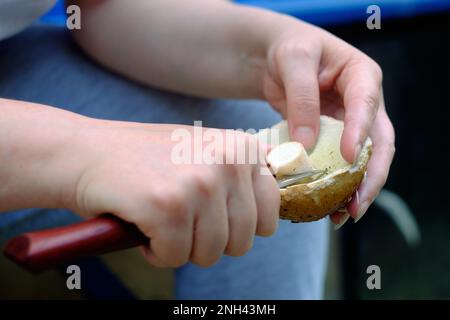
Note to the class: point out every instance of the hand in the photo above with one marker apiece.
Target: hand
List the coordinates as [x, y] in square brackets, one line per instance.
[192, 212]
[249, 53]
[309, 72]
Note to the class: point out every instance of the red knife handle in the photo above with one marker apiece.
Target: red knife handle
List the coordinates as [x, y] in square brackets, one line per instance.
[42, 250]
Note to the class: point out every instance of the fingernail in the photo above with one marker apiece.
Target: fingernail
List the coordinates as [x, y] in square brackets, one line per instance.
[305, 135]
[250, 244]
[357, 152]
[362, 210]
[344, 219]
[357, 197]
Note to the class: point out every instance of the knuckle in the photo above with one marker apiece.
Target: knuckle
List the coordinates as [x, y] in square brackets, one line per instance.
[371, 100]
[232, 170]
[245, 150]
[378, 72]
[206, 183]
[367, 103]
[293, 49]
[305, 101]
[171, 203]
[391, 148]
[370, 64]
[379, 183]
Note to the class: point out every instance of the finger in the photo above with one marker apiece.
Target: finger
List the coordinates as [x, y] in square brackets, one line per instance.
[336, 217]
[360, 86]
[299, 74]
[275, 95]
[339, 219]
[353, 205]
[267, 199]
[383, 137]
[154, 261]
[169, 226]
[211, 231]
[242, 214]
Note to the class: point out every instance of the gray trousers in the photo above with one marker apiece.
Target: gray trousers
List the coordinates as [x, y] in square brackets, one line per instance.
[43, 65]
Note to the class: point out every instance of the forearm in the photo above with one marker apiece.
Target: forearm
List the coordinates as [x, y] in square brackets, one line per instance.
[202, 47]
[35, 168]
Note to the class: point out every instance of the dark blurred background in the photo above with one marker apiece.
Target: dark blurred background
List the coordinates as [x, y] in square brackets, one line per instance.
[415, 56]
[413, 49]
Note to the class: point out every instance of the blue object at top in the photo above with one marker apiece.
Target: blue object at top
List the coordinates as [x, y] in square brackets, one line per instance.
[332, 12]
[321, 12]
[57, 15]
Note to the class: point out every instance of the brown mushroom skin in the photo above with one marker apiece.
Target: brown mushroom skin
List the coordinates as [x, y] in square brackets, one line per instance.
[315, 200]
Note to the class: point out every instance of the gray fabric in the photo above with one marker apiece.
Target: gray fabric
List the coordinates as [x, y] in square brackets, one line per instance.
[16, 15]
[43, 65]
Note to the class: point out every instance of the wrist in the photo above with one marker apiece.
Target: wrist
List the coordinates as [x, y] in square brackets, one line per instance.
[37, 164]
[266, 32]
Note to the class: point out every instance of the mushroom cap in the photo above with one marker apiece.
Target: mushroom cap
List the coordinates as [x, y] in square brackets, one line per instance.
[314, 200]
